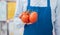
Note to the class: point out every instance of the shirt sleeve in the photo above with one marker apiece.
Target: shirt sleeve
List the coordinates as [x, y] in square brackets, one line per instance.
[19, 8]
[57, 19]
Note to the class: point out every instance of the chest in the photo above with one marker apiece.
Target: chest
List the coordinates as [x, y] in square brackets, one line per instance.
[39, 3]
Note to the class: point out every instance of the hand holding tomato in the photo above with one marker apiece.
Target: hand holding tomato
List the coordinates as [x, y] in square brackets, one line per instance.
[29, 18]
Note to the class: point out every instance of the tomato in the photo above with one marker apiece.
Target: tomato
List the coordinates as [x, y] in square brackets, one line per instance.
[24, 17]
[27, 17]
[33, 17]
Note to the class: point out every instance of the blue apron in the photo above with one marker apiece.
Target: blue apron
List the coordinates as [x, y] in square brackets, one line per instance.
[43, 26]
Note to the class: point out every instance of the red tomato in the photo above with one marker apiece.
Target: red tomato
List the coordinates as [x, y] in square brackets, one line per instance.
[24, 17]
[33, 17]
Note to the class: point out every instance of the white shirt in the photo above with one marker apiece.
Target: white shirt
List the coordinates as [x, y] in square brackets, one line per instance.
[21, 5]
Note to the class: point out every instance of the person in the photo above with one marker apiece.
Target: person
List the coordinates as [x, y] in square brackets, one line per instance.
[48, 16]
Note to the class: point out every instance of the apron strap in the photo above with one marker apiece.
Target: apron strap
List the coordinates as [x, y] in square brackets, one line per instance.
[28, 3]
[48, 3]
